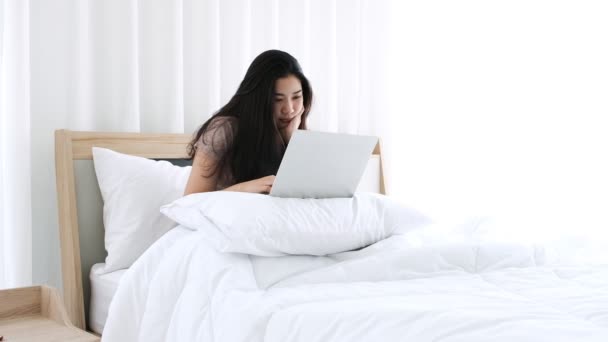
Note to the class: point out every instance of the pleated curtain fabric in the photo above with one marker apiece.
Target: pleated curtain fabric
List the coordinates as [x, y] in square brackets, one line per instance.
[165, 66]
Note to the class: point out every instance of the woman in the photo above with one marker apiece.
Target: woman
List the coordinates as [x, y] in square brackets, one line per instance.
[241, 146]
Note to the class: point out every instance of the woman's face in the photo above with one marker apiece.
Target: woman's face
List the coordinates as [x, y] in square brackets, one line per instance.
[288, 100]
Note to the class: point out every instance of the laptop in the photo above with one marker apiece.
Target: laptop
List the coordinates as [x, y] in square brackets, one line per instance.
[322, 165]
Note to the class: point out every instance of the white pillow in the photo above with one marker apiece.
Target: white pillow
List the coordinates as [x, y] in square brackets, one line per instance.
[271, 226]
[133, 190]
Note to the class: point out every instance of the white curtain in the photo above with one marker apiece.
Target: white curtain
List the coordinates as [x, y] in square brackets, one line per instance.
[166, 66]
[15, 201]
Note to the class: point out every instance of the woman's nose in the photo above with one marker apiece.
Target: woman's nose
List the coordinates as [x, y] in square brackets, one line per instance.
[287, 108]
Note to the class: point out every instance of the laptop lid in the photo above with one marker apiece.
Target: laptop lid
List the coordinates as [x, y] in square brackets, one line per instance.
[322, 165]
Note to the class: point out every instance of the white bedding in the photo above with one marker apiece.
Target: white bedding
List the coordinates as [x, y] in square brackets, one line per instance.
[404, 288]
[103, 288]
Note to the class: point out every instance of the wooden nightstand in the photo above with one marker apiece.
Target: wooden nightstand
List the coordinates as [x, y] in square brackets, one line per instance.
[37, 314]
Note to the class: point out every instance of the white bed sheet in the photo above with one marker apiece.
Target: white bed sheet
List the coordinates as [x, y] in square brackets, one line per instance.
[403, 288]
[103, 288]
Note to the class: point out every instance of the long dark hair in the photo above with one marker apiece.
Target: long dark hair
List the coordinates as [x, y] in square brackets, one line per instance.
[257, 148]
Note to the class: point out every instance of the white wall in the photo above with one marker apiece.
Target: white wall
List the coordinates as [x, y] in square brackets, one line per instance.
[50, 35]
[503, 108]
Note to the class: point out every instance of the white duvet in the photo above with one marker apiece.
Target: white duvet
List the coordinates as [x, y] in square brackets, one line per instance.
[405, 288]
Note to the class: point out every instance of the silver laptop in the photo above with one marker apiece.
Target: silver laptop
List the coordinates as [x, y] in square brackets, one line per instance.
[322, 165]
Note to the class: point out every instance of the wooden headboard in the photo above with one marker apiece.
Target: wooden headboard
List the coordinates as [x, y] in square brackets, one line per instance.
[71, 146]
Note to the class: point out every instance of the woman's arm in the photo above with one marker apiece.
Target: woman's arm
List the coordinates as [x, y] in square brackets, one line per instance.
[259, 186]
[203, 178]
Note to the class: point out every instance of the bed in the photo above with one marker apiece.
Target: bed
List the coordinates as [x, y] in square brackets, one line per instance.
[429, 282]
[87, 289]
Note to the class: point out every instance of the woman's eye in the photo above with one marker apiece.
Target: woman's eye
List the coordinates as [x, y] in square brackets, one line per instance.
[278, 100]
[297, 97]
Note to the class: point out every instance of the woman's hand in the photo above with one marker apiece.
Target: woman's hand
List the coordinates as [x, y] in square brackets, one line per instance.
[259, 186]
[293, 125]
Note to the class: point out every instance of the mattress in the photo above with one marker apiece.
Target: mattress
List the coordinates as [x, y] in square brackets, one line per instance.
[103, 287]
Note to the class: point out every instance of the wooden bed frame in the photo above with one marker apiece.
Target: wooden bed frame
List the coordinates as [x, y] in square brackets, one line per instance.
[71, 146]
